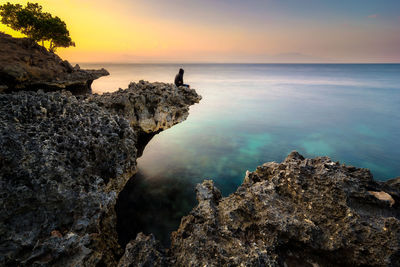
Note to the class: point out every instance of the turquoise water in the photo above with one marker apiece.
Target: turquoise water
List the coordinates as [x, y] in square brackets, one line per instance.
[251, 114]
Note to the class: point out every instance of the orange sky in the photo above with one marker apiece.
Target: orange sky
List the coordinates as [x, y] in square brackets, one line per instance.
[225, 31]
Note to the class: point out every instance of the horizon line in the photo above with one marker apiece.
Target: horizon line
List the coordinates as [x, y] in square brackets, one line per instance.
[241, 63]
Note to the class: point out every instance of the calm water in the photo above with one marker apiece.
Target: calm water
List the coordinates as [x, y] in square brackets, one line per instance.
[251, 114]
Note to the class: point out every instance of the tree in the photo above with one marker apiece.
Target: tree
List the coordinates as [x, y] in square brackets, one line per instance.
[37, 25]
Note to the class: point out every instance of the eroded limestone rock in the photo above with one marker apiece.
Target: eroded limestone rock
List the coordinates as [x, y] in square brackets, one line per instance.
[301, 212]
[63, 161]
[383, 196]
[143, 251]
[25, 65]
[150, 107]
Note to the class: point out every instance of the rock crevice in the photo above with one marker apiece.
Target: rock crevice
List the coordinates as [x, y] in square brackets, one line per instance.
[63, 161]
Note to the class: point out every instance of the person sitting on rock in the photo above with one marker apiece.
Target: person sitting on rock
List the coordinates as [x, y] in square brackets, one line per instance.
[179, 79]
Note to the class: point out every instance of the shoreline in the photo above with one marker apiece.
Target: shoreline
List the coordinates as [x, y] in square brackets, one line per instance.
[64, 160]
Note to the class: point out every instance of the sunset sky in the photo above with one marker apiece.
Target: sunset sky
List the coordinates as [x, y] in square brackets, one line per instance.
[229, 30]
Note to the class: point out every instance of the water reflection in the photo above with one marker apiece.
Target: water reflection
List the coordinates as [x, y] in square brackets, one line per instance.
[251, 114]
[154, 206]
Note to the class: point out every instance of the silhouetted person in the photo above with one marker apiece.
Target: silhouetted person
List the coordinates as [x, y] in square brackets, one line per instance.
[179, 79]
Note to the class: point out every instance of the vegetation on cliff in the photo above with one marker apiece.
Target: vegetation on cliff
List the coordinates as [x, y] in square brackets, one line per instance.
[36, 24]
[25, 65]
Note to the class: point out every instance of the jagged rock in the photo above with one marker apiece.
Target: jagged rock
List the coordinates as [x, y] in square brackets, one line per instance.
[383, 196]
[63, 161]
[301, 212]
[60, 162]
[394, 182]
[143, 251]
[25, 65]
[150, 107]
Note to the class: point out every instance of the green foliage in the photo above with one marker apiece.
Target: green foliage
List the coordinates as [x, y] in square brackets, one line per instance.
[38, 25]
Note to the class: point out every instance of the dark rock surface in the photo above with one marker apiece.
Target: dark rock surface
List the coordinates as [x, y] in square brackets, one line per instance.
[25, 65]
[301, 212]
[63, 161]
[143, 251]
[153, 206]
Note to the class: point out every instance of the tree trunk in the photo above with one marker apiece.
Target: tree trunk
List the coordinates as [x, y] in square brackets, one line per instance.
[51, 46]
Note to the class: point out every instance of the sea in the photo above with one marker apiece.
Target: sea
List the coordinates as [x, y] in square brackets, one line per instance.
[251, 114]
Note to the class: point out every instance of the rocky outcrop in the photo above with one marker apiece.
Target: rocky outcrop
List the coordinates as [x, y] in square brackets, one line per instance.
[143, 251]
[25, 65]
[63, 161]
[301, 212]
[149, 107]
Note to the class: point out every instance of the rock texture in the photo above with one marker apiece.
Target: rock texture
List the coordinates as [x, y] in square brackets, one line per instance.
[63, 161]
[143, 251]
[25, 65]
[150, 107]
[301, 212]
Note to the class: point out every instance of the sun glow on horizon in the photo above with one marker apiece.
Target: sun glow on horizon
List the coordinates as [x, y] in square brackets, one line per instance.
[177, 31]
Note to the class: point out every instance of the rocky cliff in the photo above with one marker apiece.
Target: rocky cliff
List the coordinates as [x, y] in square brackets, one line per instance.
[25, 65]
[301, 212]
[150, 107]
[63, 161]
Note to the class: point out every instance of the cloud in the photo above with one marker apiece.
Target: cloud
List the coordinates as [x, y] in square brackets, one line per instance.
[373, 16]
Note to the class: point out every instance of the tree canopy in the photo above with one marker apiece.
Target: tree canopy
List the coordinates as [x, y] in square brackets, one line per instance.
[36, 24]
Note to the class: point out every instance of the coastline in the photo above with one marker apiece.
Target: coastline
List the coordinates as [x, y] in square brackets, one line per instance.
[301, 212]
[64, 159]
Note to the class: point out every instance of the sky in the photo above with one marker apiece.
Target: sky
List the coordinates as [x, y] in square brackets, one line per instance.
[228, 31]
